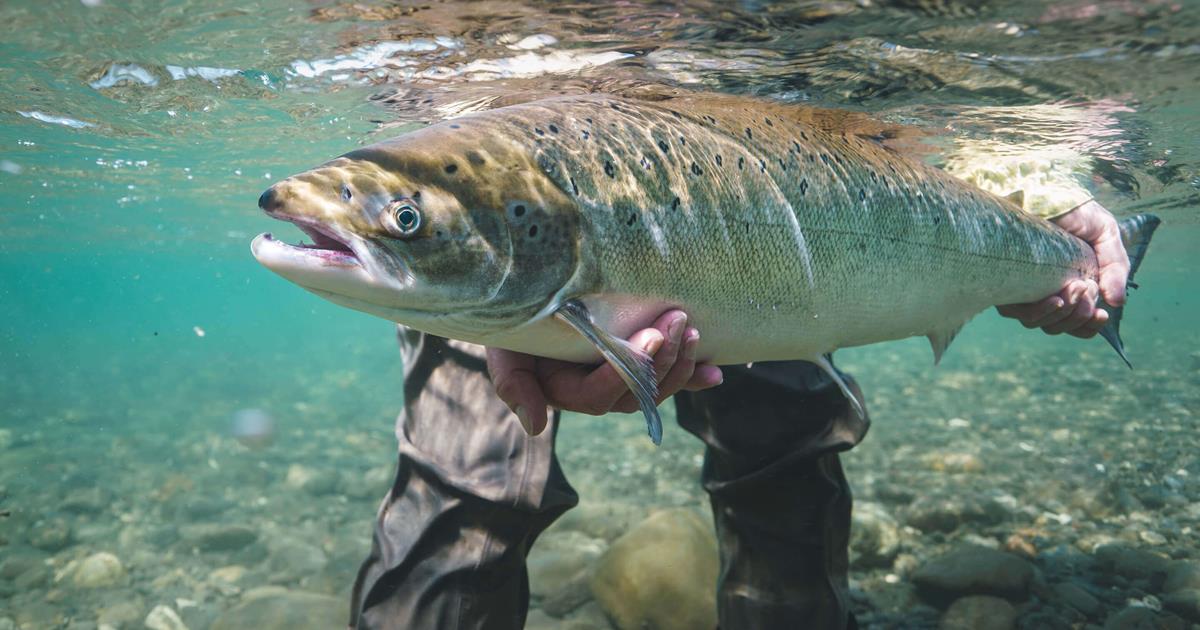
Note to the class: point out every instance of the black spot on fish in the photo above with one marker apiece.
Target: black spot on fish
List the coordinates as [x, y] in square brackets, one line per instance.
[762, 166]
[553, 129]
[803, 136]
[812, 158]
[862, 195]
[662, 144]
[589, 120]
[825, 158]
[586, 134]
[631, 219]
[682, 140]
[741, 163]
[749, 134]
[838, 159]
[718, 160]
[645, 162]
[519, 210]
[782, 164]
[803, 186]
[874, 176]
[937, 220]
[574, 187]
[416, 196]
[474, 158]
[676, 114]
[696, 169]
[675, 204]
[451, 168]
[797, 146]
[533, 230]
[455, 126]
[538, 131]
[438, 234]
[609, 169]
[711, 119]
[769, 123]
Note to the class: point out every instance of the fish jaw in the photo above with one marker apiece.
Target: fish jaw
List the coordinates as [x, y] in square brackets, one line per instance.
[337, 271]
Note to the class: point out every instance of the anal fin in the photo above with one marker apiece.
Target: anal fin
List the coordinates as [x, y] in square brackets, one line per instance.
[939, 340]
[634, 367]
[827, 366]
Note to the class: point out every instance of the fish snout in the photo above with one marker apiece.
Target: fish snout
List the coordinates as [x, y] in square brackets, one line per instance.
[269, 200]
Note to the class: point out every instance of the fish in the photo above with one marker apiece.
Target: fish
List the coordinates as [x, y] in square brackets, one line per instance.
[559, 226]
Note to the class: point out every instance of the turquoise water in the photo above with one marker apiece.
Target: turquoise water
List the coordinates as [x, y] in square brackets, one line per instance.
[136, 137]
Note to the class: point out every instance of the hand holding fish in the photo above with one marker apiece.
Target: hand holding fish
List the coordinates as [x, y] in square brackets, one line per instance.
[527, 384]
[1073, 310]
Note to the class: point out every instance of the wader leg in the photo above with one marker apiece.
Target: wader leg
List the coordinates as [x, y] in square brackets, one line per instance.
[779, 497]
[472, 492]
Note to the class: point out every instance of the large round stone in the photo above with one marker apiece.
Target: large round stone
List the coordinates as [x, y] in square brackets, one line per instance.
[973, 571]
[661, 575]
[980, 612]
[278, 609]
[98, 570]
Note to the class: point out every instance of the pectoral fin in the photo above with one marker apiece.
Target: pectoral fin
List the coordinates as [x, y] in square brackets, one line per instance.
[635, 367]
[826, 365]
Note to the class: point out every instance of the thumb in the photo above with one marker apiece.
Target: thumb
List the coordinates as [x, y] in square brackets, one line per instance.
[515, 380]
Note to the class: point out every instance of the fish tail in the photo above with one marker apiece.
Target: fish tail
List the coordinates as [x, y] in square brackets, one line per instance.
[1136, 232]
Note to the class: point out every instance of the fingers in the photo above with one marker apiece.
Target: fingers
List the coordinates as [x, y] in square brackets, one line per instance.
[705, 376]
[671, 368]
[1114, 267]
[1030, 314]
[516, 381]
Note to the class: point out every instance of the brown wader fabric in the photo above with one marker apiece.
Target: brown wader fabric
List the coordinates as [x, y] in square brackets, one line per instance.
[473, 492]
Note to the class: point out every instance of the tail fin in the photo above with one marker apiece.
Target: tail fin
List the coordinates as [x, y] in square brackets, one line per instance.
[1135, 235]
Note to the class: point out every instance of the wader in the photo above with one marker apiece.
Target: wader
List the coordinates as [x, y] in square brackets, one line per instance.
[473, 492]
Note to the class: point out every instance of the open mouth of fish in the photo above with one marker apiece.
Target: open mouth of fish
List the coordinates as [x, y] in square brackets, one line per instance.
[328, 264]
[324, 246]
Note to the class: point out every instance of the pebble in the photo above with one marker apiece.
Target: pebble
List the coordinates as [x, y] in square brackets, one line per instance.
[948, 513]
[98, 570]
[51, 535]
[1133, 563]
[1141, 618]
[310, 480]
[273, 607]
[164, 617]
[979, 612]
[661, 574]
[973, 571]
[560, 557]
[86, 500]
[121, 613]
[1185, 603]
[1077, 598]
[1183, 574]
[874, 536]
[217, 536]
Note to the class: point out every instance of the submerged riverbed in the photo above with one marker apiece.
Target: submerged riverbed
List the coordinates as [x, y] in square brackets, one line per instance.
[1027, 478]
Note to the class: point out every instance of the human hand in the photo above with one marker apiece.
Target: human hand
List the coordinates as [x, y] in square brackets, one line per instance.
[527, 384]
[1073, 309]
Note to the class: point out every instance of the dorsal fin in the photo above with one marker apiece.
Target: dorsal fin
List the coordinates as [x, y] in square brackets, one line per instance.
[1017, 197]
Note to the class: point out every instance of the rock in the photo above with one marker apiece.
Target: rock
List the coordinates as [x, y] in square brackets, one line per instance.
[98, 570]
[121, 613]
[293, 559]
[557, 558]
[312, 481]
[273, 608]
[874, 536]
[569, 596]
[1074, 596]
[1140, 618]
[947, 513]
[604, 520]
[91, 500]
[217, 536]
[196, 508]
[953, 462]
[1185, 603]
[36, 577]
[1132, 563]
[979, 612]
[661, 574]
[973, 571]
[1184, 574]
[51, 535]
[20, 561]
[164, 617]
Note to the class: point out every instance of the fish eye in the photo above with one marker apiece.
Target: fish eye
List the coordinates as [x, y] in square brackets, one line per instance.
[346, 195]
[406, 217]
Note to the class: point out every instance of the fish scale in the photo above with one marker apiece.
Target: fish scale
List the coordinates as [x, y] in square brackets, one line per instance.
[560, 227]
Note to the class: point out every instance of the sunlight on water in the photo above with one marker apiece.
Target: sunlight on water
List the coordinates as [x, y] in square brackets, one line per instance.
[214, 428]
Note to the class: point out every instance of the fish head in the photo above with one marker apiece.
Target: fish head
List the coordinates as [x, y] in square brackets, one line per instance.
[458, 234]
